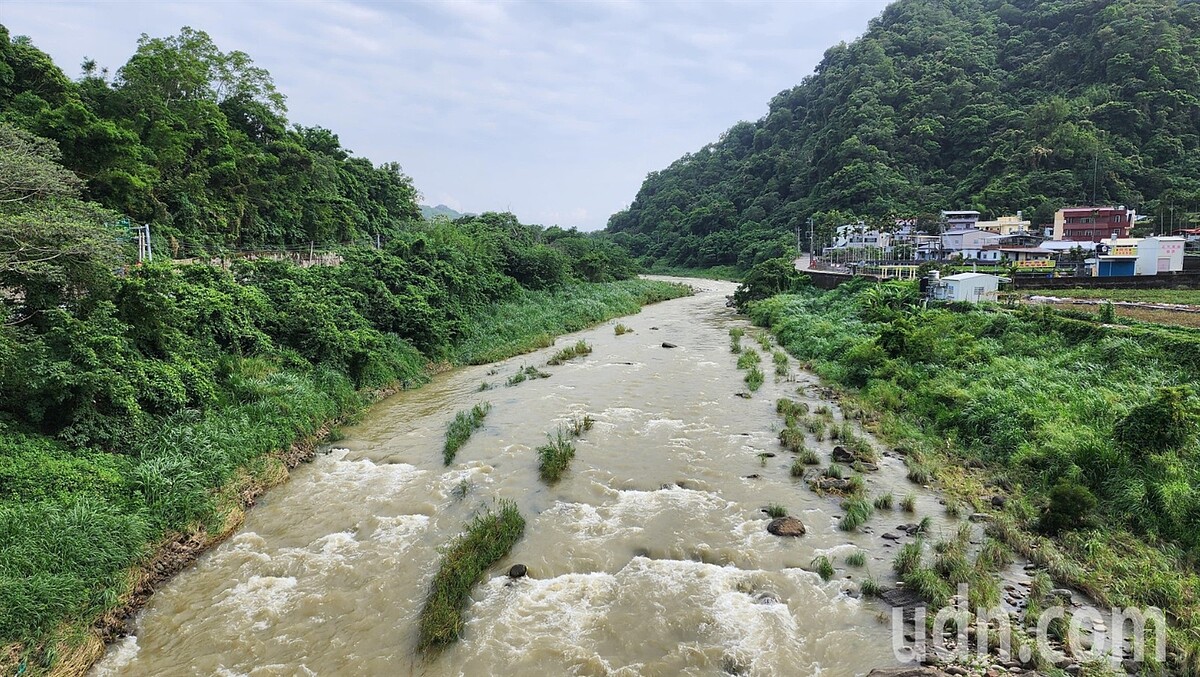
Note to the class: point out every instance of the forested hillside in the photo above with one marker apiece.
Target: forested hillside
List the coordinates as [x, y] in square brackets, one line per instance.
[195, 141]
[980, 104]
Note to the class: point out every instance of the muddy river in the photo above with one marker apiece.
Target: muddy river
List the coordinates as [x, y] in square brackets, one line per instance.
[650, 557]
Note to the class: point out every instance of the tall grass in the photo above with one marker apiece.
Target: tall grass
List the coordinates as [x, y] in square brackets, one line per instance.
[621, 330]
[555, 456]
[577, 349]
[754, 379]
[459, 431]
[823, 567]
[489, 537]
[780, 359]
[858, 511]
[749, 359]
[524, 374]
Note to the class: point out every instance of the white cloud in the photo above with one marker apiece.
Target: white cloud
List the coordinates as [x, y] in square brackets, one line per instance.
[553, 109]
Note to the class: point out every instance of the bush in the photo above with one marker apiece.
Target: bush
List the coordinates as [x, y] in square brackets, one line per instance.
[1070, 505]
[460, 429]
[555, 457]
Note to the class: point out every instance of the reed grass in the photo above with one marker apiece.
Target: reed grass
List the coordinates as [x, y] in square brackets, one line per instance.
[909, 503]
[577, 349]
[750, 358]
[885, 501]
[754, 379]
[858, 511]
[621, 330]
[555, 456]
[823, 567]
[858, 558]
[489, 537]
[775, 511]
[460, 429]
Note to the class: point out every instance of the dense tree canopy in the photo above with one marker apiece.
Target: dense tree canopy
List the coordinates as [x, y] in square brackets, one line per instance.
[994, 105]
[194, 140]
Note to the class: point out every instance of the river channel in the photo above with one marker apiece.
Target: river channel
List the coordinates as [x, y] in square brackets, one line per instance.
[650, 557]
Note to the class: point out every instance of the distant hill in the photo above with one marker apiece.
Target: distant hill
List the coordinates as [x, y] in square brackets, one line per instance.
[993, 105]
[429, 213]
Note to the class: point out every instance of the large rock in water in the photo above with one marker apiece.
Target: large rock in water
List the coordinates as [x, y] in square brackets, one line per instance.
[842, 455]
[669, 345]
[786, 526]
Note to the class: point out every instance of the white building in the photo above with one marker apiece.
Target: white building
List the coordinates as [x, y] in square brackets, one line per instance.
[967, 288]
[860, 236]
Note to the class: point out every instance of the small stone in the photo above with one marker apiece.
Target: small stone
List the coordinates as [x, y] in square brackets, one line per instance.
[669, 345]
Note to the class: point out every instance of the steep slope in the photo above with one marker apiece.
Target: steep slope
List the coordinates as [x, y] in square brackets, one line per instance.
[997, 106]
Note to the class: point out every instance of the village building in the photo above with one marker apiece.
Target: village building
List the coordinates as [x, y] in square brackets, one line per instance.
[1093, 224]
[1006, 225]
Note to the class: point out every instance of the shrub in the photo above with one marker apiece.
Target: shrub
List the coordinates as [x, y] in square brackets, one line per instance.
[1070, 504]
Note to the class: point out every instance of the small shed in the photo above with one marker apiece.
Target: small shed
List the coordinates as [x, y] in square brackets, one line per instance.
[968, 288]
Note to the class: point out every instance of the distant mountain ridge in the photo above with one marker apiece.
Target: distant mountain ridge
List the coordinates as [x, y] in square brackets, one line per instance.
[991, 105]
[429, 213]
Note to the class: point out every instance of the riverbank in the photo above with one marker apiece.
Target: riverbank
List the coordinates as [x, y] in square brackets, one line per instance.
[193, 479]
[1034, 413]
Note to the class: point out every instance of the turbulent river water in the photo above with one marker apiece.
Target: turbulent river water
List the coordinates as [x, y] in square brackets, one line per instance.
[650, 557]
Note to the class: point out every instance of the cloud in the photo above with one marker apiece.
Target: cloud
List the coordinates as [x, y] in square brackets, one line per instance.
[555, 110]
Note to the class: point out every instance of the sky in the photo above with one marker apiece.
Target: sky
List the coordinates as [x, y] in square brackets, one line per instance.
[555, 111]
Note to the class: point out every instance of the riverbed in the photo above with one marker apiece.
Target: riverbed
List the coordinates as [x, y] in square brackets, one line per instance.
[650, 556]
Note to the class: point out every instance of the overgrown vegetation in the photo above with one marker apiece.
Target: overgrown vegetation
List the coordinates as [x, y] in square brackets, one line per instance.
[775, 511]
[555, 456]
[1092, 430]
[489, 537]
[577, 349]
[460, 429]
[621, 330]
[823, 567]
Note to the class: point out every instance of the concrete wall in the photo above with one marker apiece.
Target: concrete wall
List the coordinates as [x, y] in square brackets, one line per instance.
[828, 280]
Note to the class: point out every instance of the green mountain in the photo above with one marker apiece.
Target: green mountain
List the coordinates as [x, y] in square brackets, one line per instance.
[430, 213]
[983, 104]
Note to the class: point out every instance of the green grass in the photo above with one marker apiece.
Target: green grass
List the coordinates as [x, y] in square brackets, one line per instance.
[580, 425]
[749, 359]
[870, 588]
[780, 359]
[532, 319]
[823, 567]
[459, 431]
[908, 559]
[489, 537]
[524, 374]
[621, 330]
[577, 349]
[858, 511]
[792, 439]
[858, 558]
[735, 340]
[884, 502]
[754, 379]
[798, 467]
[909, 503]
[764, 342]
[790, 408]
[555, 456]
[775, 511]
[808, 457]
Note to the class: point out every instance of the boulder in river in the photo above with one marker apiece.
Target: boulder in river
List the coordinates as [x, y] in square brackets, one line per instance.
[517, 571]
[842, 455]
[786, 526]
[669, 345]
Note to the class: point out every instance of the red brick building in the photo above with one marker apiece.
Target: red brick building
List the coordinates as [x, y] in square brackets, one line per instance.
[1092, 224]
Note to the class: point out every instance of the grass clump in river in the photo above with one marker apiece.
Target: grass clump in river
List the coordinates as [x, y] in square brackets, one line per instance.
[764, 342]
[581, 425]
[823, 567]
[790, 409]
[524, 374]
[884, 502]
[621, 330]
[754, 379]
[858, 558]
[858, 511]
[775, 511]
[578, 349]
[735, 340]
[459, 431]
[909, 503]
[490, 536]
[749, 359]
[792, 439]
[555, 456]
[780, 359]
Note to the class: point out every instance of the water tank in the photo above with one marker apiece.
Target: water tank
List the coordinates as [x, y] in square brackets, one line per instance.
[935, 275]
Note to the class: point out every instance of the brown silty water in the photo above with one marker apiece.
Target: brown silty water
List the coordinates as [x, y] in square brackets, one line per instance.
[650, 557]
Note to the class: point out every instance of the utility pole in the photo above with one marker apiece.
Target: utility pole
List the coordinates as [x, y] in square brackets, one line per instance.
[143, 243]
[812, 243]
